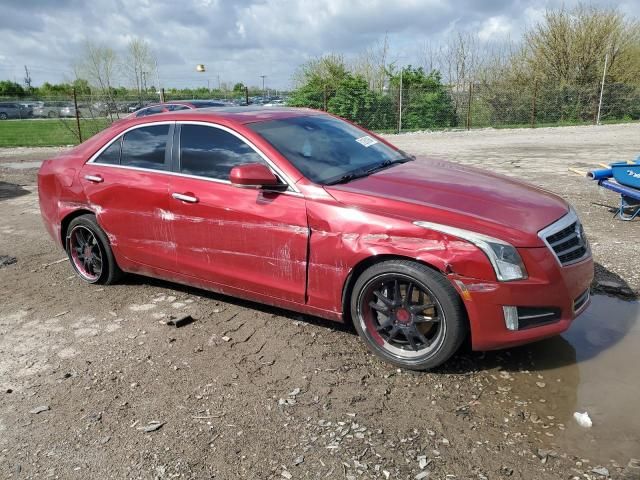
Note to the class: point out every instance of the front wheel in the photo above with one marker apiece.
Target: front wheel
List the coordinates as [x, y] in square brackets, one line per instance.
[408, 314]
[89, 251]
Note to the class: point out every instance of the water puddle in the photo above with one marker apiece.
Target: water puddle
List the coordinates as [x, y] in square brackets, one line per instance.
[593, 367]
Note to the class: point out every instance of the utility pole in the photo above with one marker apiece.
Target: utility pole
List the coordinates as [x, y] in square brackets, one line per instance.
[160, 89]
[400, 104]
[263, 91]
[604, 74]
[27, 78]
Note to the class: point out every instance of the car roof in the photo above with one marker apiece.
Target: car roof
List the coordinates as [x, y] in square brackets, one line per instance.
[238, 115]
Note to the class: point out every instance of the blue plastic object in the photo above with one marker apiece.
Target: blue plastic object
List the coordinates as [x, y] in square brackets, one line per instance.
[600, 174]
[629, 199]
[627, 174]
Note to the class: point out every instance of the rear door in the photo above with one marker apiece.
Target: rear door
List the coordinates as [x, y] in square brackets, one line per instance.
[247, 239]
[127, 185]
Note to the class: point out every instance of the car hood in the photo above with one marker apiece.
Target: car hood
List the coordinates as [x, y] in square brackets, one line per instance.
[464, 197]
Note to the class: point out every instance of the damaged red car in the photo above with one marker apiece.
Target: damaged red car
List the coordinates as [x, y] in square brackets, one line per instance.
[305, 211]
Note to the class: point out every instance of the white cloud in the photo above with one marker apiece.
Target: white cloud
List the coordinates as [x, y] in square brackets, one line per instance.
[495, 28]
[243, 39]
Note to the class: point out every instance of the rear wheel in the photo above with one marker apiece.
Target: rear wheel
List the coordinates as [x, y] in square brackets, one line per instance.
[408, 314]
[89, 251]
[3, 116]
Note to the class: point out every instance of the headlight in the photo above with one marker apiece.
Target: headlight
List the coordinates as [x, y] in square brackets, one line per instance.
[503, 256]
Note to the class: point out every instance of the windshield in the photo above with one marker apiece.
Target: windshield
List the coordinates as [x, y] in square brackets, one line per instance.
[326, 149]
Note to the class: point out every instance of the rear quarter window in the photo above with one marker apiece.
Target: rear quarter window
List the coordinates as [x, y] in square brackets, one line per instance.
[111, 155]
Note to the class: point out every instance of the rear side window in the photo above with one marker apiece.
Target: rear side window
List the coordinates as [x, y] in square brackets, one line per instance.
[145, 147]
[211, 152]
[111, 155]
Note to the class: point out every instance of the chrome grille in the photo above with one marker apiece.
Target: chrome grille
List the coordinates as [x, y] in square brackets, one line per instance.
[566, 239]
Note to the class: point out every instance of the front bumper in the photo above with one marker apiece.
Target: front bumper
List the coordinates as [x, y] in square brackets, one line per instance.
[549, 286]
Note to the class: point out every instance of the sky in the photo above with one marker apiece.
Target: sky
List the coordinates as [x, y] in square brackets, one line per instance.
[240, 40]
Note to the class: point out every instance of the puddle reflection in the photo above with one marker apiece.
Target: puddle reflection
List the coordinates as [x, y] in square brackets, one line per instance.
[592, 367]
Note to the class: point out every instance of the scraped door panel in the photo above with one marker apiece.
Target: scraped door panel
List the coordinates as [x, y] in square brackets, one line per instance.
[127, 186]
[242, 238]
[132, 207]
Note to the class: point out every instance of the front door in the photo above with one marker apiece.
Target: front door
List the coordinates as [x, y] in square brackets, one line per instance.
[242, 238]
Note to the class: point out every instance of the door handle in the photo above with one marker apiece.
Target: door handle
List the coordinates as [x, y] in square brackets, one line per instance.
[94, 178]
[185, 198]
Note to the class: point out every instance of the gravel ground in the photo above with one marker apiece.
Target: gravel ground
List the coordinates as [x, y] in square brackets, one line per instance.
[94, 384]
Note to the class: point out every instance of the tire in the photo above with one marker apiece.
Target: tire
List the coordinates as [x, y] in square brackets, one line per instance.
[386, 314]
[3, 116]
[93, 260]
[52, 114]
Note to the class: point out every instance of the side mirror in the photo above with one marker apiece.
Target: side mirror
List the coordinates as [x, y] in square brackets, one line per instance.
[254, 175]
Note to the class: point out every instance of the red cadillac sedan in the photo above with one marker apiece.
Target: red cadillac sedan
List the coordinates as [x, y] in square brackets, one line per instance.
[302, 210]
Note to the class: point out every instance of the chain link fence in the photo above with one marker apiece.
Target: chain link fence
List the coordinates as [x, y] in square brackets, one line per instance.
[68, 119]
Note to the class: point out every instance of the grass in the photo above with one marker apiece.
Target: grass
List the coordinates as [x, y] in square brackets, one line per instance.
[47, 132]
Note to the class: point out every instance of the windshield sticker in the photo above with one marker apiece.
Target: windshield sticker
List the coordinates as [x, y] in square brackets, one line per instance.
[366, 141]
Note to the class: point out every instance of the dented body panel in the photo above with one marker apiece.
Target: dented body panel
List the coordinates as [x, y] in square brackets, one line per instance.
[302, 248]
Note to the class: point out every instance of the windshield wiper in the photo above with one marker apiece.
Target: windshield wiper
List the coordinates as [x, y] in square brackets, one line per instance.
[349, 176]
[388, 163]
[365, 173]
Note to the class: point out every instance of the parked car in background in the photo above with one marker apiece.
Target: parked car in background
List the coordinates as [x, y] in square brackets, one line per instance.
[135, 106]
[14, 110]
[32, 104]
[48, 109]
[68, 110]
[303, 210]
[178, 105]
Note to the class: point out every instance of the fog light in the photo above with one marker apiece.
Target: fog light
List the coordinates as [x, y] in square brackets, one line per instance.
[511, 317]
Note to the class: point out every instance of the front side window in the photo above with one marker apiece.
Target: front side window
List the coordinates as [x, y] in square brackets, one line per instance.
[145, 147]
[111, 155]
[211, 152]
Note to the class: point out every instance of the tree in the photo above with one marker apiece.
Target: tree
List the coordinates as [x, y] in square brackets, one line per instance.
[568, 47]
[238, 87]
[317, 81]
[98, 65]
[355, 101]
[371, 65]
[426, 101]
[140, 65]
[11, 89]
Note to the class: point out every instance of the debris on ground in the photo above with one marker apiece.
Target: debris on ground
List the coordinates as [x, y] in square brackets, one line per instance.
[6, 260]
[601, 471]
[152, 426]
[583, 419]
[40, 409]
[632, 470]
[55, 263]
[180, 321]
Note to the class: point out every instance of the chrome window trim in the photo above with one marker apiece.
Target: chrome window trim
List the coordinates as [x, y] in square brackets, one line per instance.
[93, 157]
[293, 192]
[279, 173]
[560, 224]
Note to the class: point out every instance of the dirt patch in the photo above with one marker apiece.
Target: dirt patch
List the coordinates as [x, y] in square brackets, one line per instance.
[248, 391]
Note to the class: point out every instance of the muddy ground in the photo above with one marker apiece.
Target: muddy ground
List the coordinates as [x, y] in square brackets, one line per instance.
[248, 391]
